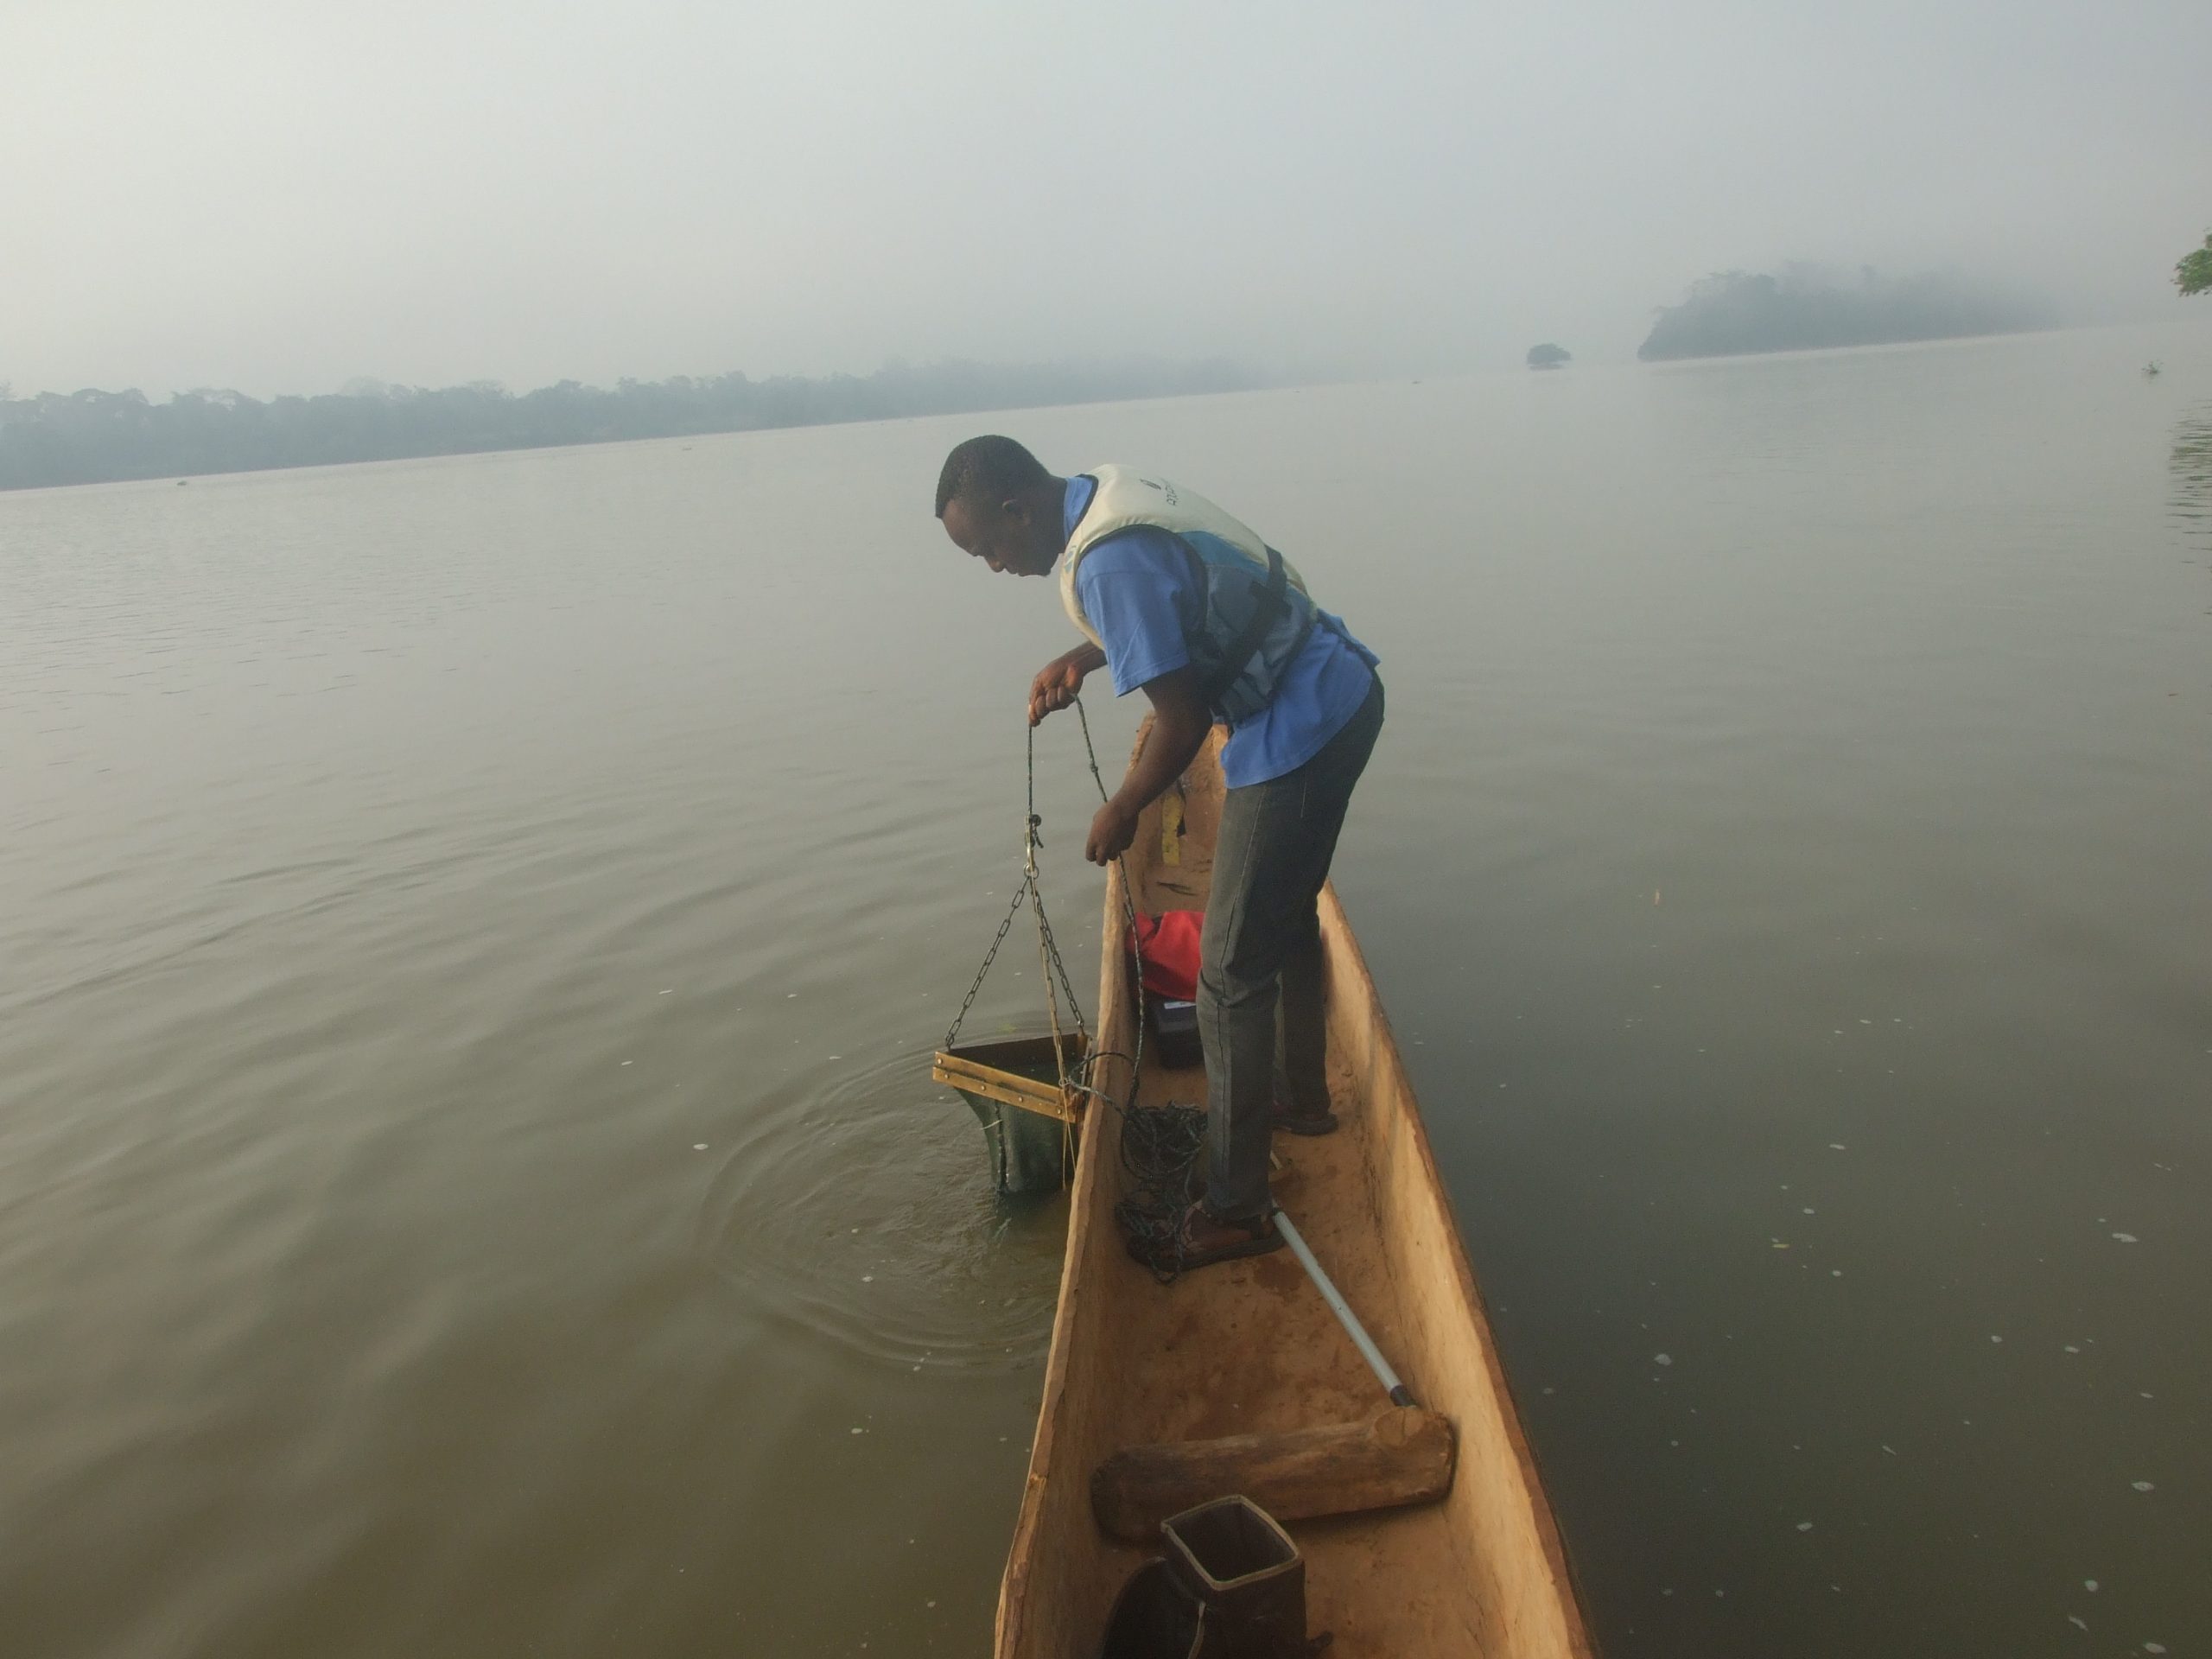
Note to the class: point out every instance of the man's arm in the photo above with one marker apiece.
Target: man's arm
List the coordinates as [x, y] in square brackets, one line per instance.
[1058, 681]
[1181, 720]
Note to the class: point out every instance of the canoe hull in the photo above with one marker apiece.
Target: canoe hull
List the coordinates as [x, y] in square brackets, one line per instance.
[1249, 1347]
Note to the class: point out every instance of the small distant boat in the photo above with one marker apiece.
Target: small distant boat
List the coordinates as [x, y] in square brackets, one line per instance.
[1243, 1366]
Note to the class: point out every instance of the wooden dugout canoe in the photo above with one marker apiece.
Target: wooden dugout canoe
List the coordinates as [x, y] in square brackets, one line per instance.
[1248, 1347]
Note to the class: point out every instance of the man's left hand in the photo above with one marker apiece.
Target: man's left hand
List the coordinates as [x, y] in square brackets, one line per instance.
[1111, 832]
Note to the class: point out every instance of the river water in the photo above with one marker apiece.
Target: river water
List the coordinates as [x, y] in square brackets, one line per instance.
[472, 929]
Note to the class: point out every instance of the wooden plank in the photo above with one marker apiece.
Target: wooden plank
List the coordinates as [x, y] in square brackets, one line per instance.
[1401, 1457]
[1007, 1088]
[1052, 1105]
[953, 1065]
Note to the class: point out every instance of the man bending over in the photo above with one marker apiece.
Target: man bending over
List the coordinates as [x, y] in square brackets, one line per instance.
[1177, 597]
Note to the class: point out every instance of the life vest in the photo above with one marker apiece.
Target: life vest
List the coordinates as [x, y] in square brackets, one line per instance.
[1257, 614]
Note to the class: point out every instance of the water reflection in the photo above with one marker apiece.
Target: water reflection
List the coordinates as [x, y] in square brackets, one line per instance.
[2191, 461]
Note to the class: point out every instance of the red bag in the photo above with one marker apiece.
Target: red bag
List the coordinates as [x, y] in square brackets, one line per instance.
[1168, 944]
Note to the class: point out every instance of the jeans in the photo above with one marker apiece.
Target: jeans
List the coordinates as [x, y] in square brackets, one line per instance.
[1259, 985]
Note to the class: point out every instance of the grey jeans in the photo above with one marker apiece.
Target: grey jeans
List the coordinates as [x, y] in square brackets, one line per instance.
[1260, 988]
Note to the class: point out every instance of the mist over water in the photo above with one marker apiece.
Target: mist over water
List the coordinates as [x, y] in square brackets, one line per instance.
[471, 931]
[281, 199]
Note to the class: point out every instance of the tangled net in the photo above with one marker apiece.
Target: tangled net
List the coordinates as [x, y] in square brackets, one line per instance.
[1159, 1148]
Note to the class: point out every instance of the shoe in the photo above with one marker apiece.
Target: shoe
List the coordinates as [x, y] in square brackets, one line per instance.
[1281, 1116]
[1205, 1241]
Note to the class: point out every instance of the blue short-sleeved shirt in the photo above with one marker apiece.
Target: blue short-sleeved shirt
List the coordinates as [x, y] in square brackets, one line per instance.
[1139, 591]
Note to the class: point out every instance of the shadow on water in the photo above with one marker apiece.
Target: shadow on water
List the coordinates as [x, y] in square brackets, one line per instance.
[857, 1206]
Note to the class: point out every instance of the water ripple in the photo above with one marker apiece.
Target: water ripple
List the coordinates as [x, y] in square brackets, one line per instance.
[856, 1204]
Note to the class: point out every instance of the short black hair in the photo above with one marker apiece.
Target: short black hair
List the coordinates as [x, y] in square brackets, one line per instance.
[992, 466]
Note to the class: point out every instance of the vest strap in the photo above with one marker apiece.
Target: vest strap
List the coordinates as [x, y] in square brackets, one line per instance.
[1249, 639]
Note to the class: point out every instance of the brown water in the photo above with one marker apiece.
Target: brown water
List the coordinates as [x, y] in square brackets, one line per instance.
[471, 931]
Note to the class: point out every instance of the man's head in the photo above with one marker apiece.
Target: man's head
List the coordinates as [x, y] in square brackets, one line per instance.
[999, 503]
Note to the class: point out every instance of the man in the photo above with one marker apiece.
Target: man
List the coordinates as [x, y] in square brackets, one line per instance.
[1177, 597]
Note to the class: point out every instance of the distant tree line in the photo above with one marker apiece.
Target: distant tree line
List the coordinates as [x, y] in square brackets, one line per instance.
[1732, 312]
[89, 437]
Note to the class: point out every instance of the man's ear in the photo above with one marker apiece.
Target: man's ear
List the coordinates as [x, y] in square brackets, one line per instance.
[1015, 508]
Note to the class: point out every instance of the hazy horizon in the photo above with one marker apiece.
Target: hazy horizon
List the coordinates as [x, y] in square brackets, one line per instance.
[252, 197]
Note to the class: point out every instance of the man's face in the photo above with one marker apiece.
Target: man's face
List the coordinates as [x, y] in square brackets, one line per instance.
[1011, 536]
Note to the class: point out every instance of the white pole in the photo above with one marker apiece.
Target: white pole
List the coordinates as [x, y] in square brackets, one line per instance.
[1399, 1394]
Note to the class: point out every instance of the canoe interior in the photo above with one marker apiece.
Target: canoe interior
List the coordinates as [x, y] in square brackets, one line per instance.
[1249, 1346]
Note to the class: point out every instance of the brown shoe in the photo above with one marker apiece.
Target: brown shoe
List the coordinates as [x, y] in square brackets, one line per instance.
[1291, 1121]
[1202, 1241]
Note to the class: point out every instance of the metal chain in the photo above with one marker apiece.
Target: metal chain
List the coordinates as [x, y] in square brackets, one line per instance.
[1053, 968]
[990, 956]
[1158, 1145]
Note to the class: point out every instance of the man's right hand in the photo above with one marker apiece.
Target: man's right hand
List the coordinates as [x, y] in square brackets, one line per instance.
[1056, 683]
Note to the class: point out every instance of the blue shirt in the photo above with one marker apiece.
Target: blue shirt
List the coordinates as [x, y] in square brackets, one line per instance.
[1139, 591]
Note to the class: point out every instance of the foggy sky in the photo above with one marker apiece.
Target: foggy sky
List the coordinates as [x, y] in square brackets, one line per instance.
[280, 197]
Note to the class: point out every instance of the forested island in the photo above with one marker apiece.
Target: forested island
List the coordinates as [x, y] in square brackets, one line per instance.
[91, 437]
[1804, 308]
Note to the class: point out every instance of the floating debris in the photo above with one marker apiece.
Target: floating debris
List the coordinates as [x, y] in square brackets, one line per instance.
[2145, 1486]
[698, 1145]
[2127, 1238]
[1664, 1359]
[1804, 1526]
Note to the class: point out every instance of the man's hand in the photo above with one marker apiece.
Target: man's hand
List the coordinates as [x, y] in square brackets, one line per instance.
[1111, 832]
[1058, 681]
[1180, 722]
[1055, 687]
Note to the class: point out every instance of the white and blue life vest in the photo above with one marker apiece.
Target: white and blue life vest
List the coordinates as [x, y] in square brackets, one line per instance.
[1257, 614]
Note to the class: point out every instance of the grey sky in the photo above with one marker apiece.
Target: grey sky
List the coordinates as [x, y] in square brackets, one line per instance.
[280, 196]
